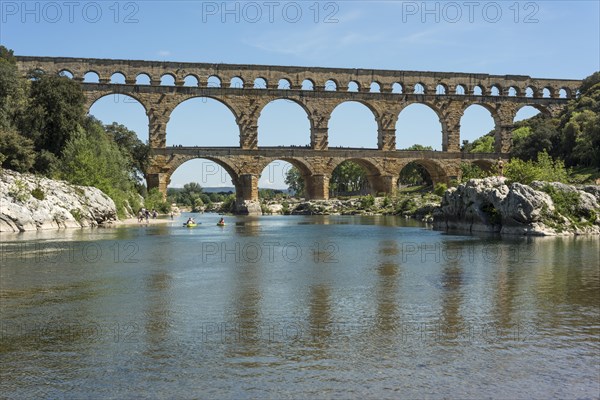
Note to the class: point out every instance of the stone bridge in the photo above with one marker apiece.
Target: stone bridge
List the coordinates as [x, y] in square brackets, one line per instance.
[247, 89]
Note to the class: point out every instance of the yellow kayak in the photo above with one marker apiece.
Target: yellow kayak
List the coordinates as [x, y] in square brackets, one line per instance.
[190, 225]
[219, 224]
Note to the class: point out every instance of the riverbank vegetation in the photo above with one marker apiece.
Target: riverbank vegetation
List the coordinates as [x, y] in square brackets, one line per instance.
[45, 130]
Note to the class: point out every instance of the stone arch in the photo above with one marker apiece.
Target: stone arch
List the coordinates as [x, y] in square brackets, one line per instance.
[88, 74]
[437, 171]
[485, 165]
[368, 106]
[295, 102]
[331, 85]
[495, 90]
[187, 80]
[431, 106]
[397, 88]
[99, 95]
[478, 90]
[124, 108]
[369, 165]
[178, 161]
[162, 180]
[66, 72]
[375, 87]
[441, 89]
[564, 91]
[260, 83]
[419, 88]
[353, 86]
[513, 91]
[214, 81]
[375, 175]
[308, 84]
[542, 109]
[117, 76]
[234, 112]
[168, 79]
[460, 90]
[236, 82]
[141, 75]
[489, 107]
[284, 84]
[303, 165]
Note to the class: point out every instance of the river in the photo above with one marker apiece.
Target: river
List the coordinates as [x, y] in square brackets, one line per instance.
[297, 307]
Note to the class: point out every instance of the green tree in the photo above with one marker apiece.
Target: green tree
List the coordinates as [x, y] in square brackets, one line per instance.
[348, 177]
[534, 135]
[55, 111]
[91, 158]
[132, 147]
[16, 151]
[473, 171]
[544, 169]
[414, 174]
[295, 181]
[419, 147]
[13, 96]
[484, 144]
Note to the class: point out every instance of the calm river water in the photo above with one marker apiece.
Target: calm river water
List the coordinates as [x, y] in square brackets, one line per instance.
[297, 307]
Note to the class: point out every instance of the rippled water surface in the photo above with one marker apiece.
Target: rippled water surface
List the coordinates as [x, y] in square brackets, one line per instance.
[297, 307]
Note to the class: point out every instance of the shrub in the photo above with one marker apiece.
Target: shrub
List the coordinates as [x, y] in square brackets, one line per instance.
[38, 193]
[19, 191]
[544, 169]
[228, 205]
[76, 213]
[154, 201]
[367, 201]
[440, 189]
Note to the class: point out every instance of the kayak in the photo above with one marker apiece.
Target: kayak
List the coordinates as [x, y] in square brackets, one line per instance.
[190, 225]
[219, 224]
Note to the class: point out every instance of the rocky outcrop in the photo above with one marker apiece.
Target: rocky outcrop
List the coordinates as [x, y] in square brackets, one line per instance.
[29, 203]
[490, 205]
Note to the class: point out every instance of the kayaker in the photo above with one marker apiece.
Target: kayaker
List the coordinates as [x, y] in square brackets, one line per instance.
[222, 221]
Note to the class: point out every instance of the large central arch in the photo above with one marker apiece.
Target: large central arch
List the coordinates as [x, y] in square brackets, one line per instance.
[210, 117]
[284, 122]
[356, 118]
[420, 124]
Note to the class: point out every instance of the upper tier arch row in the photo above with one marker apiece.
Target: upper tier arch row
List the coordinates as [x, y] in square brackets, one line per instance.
[305, 78]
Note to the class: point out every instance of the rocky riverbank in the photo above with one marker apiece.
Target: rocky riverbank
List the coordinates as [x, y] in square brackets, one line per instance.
[419, 206]
[541, 209]
[29, 203]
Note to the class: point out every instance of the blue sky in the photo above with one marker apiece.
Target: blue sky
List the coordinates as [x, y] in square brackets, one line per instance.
[546, 39]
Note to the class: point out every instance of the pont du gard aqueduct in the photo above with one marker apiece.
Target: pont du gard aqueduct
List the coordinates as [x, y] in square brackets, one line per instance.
[247, 89]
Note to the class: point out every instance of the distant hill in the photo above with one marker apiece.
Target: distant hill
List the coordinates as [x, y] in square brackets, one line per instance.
[225, 189]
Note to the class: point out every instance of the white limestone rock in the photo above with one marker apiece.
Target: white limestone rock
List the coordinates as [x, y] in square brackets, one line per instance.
[489, 205]
[61, 205]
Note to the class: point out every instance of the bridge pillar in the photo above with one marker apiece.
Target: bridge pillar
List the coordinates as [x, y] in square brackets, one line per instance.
[319, 139]
[317, 187]
[504, 127]
[157, 126]
[387, 139]
[246, 195]
[249, 138]
[382, 184]
[451, 127]
[160, 181]
[503, 139]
